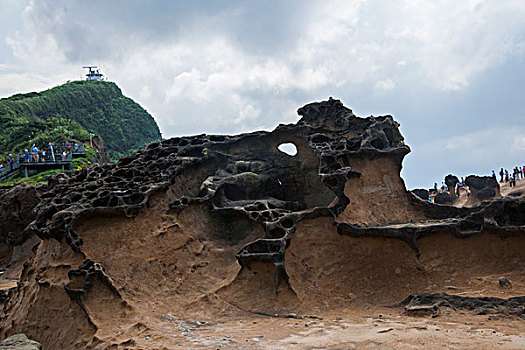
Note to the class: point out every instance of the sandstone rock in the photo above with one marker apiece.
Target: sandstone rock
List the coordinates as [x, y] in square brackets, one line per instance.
[19, 342]
[483, 187]
[16, 212]
[208, 218]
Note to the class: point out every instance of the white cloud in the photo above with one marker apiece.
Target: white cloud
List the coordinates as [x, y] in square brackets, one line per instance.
[519, 143]
[237, 66]
[385, 85]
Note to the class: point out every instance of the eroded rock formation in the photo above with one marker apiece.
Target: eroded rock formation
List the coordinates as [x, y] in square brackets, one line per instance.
[211, 223]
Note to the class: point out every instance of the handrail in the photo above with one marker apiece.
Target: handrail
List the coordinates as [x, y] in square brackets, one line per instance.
[56, 158]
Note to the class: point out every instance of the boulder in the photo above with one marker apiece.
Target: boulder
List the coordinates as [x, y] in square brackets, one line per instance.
[19, 342]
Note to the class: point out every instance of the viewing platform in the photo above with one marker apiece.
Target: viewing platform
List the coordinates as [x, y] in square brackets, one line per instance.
[42, 162]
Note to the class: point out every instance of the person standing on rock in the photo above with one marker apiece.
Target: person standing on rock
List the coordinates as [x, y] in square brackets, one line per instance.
[494, 175]
[501, 174]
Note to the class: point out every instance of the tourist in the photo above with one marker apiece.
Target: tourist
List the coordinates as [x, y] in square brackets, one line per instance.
[68, 146]
[11, 161]
[435, 187]
[27, 155]
[51, 153]
[76, 147]
[501, 174]
[494, 175]
[34, 152]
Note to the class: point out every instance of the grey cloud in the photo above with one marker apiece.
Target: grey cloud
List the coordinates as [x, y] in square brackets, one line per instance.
[114, 29]
[443, 69]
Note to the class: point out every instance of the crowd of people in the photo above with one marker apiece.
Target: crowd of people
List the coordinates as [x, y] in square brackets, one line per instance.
[505, 177]
[517, 173]
[49, 153]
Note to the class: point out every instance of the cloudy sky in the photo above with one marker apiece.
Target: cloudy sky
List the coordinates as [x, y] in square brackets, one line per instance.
[451, 72]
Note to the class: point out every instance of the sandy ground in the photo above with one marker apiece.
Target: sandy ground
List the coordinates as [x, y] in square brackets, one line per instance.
[354, 328]
[506, 189]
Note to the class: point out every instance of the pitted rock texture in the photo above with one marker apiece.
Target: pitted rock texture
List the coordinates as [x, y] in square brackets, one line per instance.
[214, 225]
[248, 175]
[244, 174]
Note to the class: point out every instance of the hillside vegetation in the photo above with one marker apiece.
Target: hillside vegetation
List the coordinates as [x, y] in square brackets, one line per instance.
[71, 112]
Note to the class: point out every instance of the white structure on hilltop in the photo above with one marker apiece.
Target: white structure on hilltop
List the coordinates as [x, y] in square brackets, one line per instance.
[93, 74]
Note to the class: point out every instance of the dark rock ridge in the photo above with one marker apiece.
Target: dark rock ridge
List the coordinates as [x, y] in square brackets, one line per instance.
[245, 178]
[421, 193]
[478, 305]
[444, 198]
[483, 187]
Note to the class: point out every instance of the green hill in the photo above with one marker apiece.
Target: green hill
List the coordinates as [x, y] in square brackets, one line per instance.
[71, 112]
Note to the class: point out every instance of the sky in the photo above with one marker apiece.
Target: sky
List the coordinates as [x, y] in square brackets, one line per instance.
[450, 72]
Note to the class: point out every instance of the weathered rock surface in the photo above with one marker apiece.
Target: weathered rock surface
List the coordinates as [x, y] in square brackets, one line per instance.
[429, 303]
[19, 342]
[214, 223]
[16, 212]
[483, 187]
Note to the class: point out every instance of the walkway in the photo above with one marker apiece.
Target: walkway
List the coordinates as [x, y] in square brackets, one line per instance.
[57, 161]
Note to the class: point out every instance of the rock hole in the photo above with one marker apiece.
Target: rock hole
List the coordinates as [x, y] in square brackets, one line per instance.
[288, 148]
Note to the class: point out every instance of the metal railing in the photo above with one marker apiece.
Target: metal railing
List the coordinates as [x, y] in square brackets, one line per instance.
[62, 154]
[9, 169]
